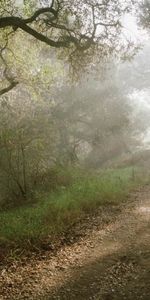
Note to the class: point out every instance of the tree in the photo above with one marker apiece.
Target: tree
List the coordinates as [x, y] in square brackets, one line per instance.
[81, 28]
[94, 120]
[144, 16]
[27, 144]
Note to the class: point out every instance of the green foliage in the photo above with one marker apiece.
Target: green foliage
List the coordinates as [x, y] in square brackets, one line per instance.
[54, 213]
[29, 7]
[70, 26]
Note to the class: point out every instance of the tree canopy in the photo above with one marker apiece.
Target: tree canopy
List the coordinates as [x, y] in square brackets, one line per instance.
[82, 30]
[145, 14]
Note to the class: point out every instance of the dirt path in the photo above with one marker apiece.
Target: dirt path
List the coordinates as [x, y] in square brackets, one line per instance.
[109, 263]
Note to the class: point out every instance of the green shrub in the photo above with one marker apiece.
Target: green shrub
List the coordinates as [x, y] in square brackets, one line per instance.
[54, 212]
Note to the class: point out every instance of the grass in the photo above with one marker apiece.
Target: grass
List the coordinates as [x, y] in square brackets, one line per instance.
[55, 212]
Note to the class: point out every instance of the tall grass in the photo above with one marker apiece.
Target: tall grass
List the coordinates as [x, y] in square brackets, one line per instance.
[55, 212]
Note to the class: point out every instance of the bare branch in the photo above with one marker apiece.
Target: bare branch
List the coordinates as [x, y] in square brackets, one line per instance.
[7, 76]
[8, 88]
[42, 11]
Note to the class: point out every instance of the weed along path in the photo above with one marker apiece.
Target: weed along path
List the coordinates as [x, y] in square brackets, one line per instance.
[110, 261]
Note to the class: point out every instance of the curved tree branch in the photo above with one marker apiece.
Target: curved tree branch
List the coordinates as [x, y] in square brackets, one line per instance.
[16, 22]
[55, 17]
[8, 77]
[8, 88]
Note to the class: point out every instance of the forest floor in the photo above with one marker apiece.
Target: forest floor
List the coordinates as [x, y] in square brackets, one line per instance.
[109, 260]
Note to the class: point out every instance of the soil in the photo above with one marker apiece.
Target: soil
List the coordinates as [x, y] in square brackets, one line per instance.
[109, 261]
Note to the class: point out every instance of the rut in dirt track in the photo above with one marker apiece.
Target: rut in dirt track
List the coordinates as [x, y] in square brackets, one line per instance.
[110, 263]
[119, 266]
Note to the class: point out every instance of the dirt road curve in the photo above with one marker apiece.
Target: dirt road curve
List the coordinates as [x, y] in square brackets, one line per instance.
[107, 264]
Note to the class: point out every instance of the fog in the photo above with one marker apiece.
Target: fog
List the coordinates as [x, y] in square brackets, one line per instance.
[66, 109]
[74, 148]
[97, 120]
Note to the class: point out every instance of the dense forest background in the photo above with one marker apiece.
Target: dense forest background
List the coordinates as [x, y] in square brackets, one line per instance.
[74, 109]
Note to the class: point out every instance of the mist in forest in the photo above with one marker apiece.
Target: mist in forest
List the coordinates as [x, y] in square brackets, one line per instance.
[101, 121]
[74, 127]
[70, 112]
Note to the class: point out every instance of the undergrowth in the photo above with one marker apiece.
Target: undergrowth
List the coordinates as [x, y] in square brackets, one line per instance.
[54, 212]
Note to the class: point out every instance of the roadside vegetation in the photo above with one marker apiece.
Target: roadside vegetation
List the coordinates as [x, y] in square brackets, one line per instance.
[72, 136]
[52, 213]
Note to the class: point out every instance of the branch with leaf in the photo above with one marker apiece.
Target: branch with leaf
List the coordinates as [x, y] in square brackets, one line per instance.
[76, 26]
